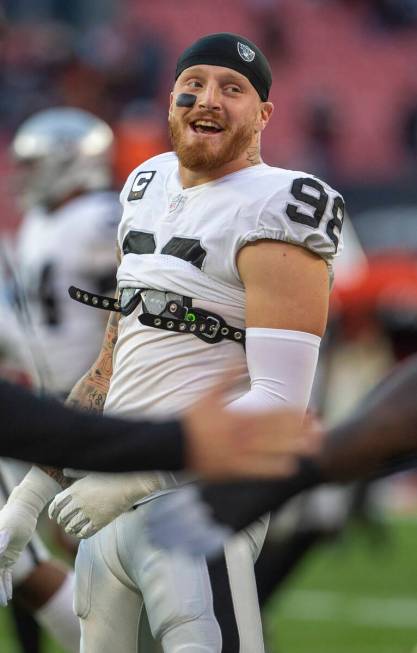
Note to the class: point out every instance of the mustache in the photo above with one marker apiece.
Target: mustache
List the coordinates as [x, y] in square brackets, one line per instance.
[207, 116]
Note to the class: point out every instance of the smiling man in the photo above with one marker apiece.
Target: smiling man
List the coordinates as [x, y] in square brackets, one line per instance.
[226, 263]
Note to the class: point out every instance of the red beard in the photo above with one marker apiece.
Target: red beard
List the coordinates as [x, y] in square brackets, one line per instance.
[201, 155]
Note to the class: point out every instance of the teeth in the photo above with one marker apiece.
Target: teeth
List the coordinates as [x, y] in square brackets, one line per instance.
[207, 123]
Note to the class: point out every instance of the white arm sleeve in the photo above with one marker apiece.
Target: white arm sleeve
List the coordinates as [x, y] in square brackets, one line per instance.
[281, 367]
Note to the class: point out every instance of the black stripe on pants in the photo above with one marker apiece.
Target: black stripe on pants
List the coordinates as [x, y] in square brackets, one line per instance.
[223, 605]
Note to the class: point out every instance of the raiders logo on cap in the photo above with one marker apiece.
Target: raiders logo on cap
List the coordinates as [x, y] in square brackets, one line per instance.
[230, 51]
[245, 52]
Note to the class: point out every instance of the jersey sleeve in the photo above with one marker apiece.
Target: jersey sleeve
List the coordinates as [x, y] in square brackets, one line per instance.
[305, 211]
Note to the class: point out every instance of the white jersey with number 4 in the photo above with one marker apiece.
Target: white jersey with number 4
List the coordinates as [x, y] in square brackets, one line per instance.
[186, 241]
[73, 245]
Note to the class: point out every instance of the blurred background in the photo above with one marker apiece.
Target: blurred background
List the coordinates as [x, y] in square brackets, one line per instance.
[345, 94]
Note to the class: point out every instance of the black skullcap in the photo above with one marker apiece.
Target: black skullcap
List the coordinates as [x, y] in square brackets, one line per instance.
[231, 51]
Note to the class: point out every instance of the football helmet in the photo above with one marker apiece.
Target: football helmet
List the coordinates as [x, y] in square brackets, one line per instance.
[60, 151]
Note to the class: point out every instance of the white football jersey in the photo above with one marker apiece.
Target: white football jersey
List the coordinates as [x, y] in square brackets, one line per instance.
[16, 362]
[74, 245]
[185, 241]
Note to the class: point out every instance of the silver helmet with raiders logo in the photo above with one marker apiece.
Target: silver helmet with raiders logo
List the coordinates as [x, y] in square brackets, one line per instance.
[59, 152]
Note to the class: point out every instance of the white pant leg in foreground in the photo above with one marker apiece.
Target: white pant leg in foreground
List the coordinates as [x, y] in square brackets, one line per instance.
[119, 572]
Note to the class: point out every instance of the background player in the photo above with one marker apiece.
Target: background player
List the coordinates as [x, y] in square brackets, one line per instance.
[64, 186]
[64, 178]
[43, 586]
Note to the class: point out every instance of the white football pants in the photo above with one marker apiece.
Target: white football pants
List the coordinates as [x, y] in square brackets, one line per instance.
[126, 590]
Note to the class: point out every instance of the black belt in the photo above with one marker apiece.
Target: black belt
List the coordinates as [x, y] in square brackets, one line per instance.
[206, 325]
[94, 300]
[177, 316]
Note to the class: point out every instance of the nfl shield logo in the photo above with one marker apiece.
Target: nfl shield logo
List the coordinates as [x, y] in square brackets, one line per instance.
[177, 202]
[246, 53]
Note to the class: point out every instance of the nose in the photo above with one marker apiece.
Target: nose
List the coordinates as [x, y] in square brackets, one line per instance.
[209, 98]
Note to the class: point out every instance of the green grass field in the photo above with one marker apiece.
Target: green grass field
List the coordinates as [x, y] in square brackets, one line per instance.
[356, 596]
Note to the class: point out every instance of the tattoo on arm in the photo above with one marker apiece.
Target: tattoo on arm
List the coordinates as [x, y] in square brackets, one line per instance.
[91, 391]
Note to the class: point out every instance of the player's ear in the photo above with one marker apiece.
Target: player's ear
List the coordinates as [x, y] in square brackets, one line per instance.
[265, 113]
[265, 110]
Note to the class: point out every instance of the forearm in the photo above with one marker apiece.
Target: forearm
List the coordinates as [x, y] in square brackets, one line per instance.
[380, 434]
[18, 519]
[42, 430]
[90, 392]
[382, 430]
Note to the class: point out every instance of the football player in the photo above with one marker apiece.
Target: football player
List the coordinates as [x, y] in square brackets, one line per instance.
[63, 181]
[224, 261]
[43, 587]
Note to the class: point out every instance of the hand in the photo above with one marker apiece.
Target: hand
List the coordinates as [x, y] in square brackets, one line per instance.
[222, 443]
[97, 499]
[6, 587]
[17, 525]
[18, 521]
